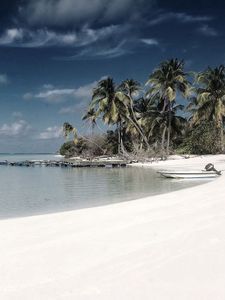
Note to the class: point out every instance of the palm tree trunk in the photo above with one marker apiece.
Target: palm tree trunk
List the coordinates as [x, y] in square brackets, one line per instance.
[137, 126]
[141, 144]
[89, 140]
[163, 141]
[140, 132]
[168, 132]
[221, 136]
[122, 146]
[119, 138]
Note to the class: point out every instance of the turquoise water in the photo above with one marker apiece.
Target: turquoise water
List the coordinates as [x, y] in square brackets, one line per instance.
[39, 190]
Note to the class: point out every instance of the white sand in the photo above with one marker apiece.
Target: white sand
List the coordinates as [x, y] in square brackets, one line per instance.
[169, 246]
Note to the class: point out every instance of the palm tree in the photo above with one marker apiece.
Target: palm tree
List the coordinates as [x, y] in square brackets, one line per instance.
[165, 82]
[69, 129]
[110, 105]
[178, 122]
[128, 89]
[155, 121]
[91, 117]
[210, 101]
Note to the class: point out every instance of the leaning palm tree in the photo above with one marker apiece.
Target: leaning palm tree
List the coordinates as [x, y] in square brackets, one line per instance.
[155, 123]
[159, 124]
[90, 117]
[129, 89]
[165, 82]
[210, 101]
[69, 129]
[110, 105]
[146, 110]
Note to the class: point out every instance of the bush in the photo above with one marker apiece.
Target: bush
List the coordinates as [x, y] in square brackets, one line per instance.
[111, 142]
[202, 139]
[95, 146]
[88, 147]
[69, 149]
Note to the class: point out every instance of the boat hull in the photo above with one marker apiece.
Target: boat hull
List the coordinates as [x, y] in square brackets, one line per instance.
[189, 175]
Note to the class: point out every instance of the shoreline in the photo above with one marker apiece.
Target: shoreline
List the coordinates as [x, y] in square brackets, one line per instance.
[167, 246]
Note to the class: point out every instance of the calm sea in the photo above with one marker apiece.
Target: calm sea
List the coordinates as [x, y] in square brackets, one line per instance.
[26, 191]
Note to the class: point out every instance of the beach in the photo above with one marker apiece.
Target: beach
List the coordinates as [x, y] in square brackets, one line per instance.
[168, 246]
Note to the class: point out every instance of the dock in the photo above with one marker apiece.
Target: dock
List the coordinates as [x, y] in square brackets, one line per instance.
[66, 163]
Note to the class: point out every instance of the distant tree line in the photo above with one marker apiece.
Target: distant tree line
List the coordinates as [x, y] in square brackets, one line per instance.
[150, 120]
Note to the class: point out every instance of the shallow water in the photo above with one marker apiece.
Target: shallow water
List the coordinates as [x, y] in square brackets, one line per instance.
[38, 190]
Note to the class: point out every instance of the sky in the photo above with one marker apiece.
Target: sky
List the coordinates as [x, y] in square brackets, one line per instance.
[53, 53]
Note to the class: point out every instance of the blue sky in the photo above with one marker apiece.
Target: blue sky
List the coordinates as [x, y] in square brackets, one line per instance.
[53, 52]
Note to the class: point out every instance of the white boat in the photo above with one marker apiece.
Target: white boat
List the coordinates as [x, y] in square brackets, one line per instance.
[189, 174]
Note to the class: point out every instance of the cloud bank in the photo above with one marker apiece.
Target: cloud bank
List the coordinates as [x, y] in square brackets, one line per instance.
[53, 95]
[208, 31]
[19, 128]
[94, 29]
[49, 133]
[60, 13]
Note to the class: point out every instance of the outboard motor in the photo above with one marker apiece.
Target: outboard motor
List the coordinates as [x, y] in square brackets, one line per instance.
[210, 167]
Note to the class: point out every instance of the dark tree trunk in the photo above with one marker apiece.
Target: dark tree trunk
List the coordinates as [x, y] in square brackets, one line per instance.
[221, 136]
[119, 138]
[135, 123]
[163, 141]
[169, 130]
[141, 144]
[140, 132]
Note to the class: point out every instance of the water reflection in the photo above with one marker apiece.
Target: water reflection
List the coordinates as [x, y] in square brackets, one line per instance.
[38, 190]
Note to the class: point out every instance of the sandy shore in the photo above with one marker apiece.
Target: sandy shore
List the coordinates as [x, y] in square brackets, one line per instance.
[169, 246]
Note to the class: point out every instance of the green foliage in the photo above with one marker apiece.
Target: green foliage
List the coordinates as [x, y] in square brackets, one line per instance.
[85, 146]
[202, 139]
[210, 98]
[111, 143]
[153, 121]
[95, 145]
[108, 103]
[70, 149]
[165, 83]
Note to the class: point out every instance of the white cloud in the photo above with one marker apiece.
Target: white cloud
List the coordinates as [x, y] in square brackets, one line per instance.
[4, 79]
[181, 17]
[37, 38]
[11, 35]
[69, 109]
[54, 132]
[207, 31]
[111, 52]
[150, 42]
[70, 12]
[84, 92]
[110, 40]
[16, 129]
[22, 37]
[101, 52]
[57, 95]
[52, 96]
[77, 108]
